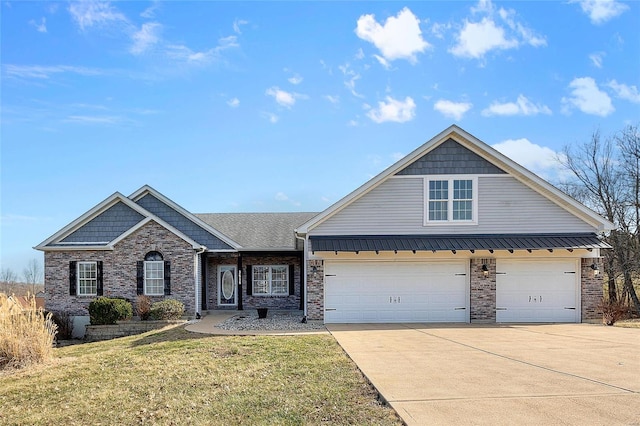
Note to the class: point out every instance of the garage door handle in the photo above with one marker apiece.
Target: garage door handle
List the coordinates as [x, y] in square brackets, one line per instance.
[570, 308]
[330, 309]
[501, 309]
[459, 309]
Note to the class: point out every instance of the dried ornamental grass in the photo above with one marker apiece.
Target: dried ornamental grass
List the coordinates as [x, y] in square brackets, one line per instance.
[26, 333]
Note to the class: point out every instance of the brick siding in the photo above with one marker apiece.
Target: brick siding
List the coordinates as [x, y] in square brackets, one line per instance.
[119, 270]
[251, 301]
[315, 289]
[483, 291]
[592, 292]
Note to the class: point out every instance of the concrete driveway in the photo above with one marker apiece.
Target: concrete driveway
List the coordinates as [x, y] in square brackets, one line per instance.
[573, 374]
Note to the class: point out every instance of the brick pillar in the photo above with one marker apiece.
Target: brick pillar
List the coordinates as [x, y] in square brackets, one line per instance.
[483, 291]
[315, 289]
[591, 289]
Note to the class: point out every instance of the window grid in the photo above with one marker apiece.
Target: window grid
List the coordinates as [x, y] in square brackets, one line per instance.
[270, 280]
[87, 278]
[154, 278]
[455, 205]
[462, 200]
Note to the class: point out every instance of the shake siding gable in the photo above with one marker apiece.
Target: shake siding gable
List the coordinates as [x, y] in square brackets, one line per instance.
[505, 205]
[107, 226]
[119, 270]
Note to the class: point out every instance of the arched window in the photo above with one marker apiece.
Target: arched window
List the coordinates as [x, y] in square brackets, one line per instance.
[153, 275]
[153, 256]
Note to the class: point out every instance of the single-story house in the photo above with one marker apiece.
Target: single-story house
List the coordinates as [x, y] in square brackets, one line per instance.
[453, 232]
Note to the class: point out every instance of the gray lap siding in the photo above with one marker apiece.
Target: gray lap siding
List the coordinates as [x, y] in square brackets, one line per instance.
[251, 301]
[119, 270]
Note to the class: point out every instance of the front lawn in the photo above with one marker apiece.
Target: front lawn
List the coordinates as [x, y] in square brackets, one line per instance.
[176, 377]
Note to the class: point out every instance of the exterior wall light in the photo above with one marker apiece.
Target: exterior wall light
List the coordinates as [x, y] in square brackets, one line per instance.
[595, 268]
[485, 270]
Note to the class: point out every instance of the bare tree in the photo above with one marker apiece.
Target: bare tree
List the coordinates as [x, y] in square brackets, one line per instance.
[607, 179]
[32, 273]
[7, 276]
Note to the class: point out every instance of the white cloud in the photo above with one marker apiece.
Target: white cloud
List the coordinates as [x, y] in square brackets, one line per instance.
[296, 79]
[385, 64]
[601, 11]
[273, 118]
[393, 110]
[281, 196]
[352, 77]
[522, 106]
[150, 12]
[495, 31]
[477, 38]
[45, 72]
[185, 54]
[233, 102]
[284, 98]
[333, 99]
[538, 159]
[596, 58]
[451, 109]
[628, 93]
[237, 23]
[399, 38]
[438, 30]
[90, 13]
[88, 119]
[359, 54]
[40, 27]
[145, 38]
[588, 98]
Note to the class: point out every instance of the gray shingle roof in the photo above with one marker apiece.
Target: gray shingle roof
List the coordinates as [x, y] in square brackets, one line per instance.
[458, 242]
[258, 231]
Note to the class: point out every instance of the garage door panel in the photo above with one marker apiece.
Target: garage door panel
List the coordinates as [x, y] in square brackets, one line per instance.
[395, 292]
[536, 291]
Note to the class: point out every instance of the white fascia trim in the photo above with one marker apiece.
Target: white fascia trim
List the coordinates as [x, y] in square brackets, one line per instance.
[378, 179]
[76, 248]
[89, 215]
[533, 181]
[475, 145]
[146, 189]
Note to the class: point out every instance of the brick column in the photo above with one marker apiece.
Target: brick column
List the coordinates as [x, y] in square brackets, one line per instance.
[591, 289]
[483, 291]
[315, 289]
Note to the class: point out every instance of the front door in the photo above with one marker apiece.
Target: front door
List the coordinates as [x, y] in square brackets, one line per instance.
[227, 285]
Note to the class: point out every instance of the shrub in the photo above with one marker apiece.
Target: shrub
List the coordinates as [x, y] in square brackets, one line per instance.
[107, 310]
[143, 307]
[167, 309]
[64, 322]
[26, 333]
[614, 311]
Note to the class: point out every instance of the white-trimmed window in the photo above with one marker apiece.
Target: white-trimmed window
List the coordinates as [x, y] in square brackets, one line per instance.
[450, 199]
[270, 280]
[154, 278]
[87, 276]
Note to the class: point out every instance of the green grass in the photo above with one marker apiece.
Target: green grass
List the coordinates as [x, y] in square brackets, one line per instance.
[173, 377]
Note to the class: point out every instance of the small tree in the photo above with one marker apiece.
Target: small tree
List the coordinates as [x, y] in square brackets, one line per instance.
[32, 273]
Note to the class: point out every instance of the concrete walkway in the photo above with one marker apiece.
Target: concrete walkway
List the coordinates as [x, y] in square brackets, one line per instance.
[569, 374]
[207, 325]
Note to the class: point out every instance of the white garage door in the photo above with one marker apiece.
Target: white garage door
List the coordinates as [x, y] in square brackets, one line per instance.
[537, 291]
[378, 292]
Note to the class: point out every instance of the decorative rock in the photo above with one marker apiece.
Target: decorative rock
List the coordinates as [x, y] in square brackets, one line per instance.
[276, 321]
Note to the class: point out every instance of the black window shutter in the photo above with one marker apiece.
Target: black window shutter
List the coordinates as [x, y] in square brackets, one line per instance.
[292, 281]
[167, 278]
[140, 277]
[73, 280]
[99, 287]
[249, 280]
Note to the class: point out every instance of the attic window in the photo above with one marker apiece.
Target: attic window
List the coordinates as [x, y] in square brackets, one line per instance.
[450, 199]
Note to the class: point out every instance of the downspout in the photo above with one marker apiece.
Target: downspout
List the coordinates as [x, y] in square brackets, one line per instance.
[196, 279]
[304, 268]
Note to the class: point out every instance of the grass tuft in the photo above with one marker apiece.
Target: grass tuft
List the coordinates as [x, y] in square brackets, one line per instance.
[26, 333]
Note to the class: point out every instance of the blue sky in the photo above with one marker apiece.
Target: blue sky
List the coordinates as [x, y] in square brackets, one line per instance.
[287, 106]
